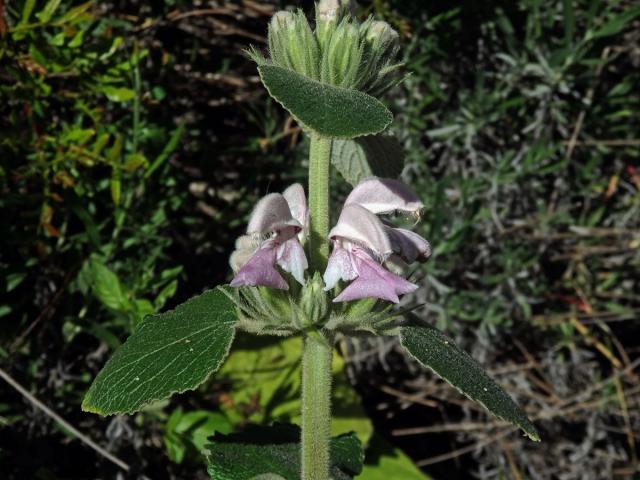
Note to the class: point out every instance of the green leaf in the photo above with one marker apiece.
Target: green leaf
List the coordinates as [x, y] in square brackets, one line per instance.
[276, 451]
[615, 25]
[77, 39]
[383, 462]
[142, 307]
[328, 110]
[168, 353]
[77, 136]
[118, 94]
[165, 294]
[169, 148]
[74, 14]
[27, 8]
[13, 280]
[115, 151]
[435, 350]
[115, 185]
[133, 162]
[106, 287]
[47, 12]
[190, 431]
[370, 156]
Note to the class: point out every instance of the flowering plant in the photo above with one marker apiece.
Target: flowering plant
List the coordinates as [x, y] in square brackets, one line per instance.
[296, 274]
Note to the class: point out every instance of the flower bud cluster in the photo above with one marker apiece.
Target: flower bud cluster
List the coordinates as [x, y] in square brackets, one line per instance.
[293, 44]
[340, 51]
[269, 311]
[314, 301]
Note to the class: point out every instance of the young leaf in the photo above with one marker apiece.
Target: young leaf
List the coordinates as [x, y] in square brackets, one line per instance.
[328, 110]
[168, 353]
[47, 12]
[433, 349]
[370, 156]
[118, 94]
[615, 25]
[188, 432]
[169, 148]
[107, 287]
[275, 451]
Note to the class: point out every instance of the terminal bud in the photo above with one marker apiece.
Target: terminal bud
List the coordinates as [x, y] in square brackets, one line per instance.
[314, 302]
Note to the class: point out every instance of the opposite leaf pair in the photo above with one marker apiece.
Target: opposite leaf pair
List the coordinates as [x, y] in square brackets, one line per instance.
[365, 248]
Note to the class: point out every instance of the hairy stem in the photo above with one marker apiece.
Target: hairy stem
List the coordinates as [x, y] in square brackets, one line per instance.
[316, 405]
[319, 162]
[318, 347]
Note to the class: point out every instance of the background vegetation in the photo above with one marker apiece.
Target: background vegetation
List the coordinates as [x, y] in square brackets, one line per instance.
[135, 138]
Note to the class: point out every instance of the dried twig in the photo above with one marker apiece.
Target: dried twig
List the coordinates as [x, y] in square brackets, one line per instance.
[464, 450]
[579, 122]
[3, 24]
[417, 398]
[63, 423]
[604, 143]
[46, 311]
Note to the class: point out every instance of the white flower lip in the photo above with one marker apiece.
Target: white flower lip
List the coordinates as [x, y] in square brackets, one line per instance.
[297, 200]
[358, 225]
[271, 214]
[384, 196]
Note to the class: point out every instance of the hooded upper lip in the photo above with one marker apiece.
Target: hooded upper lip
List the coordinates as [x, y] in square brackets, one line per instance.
[362, 242]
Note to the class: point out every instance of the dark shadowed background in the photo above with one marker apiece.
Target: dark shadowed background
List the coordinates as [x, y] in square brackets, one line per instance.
[135, 137]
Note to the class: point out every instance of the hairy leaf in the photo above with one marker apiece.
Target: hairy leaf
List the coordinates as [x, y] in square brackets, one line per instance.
[370, 156]
[435, 350]
[168, 353]
[325, 109]
[275, 451]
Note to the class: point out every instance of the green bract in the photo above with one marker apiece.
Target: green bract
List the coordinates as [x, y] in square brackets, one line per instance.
[341, 51]
[314, 302]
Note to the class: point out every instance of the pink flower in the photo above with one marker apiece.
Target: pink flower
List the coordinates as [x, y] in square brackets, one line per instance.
[274, 227]
[362, 243]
